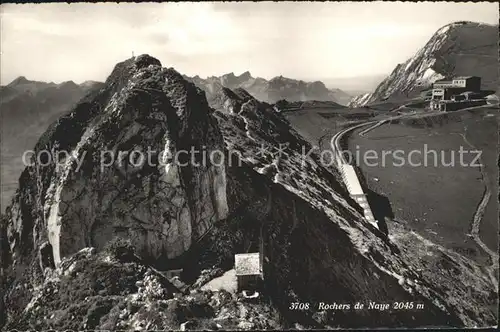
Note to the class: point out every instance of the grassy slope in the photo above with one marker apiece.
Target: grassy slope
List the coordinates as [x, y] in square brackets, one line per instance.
[438, 202]
[320, 123]
[484, 136]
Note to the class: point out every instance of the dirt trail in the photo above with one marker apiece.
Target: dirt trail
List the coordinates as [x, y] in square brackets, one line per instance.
[478, 217]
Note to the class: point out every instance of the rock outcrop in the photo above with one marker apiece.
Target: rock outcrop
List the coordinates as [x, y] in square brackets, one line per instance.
[457, 49]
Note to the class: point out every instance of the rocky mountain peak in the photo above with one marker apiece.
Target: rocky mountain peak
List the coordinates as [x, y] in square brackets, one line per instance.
[277, 78]
[145, 60]
[456, 49]
[232, 81]
[68, 85]
[89, 84]
[318, 84]
[245, 76]
[19, 80]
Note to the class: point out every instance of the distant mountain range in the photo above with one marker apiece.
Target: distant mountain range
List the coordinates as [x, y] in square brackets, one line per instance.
[457, 49]
[271, 91]
[355, 85]
[27, 108]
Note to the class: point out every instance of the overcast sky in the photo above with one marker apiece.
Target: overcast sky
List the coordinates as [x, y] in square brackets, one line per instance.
[59, 42]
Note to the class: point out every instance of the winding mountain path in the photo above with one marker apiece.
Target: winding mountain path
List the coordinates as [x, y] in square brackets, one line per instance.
[478, 217]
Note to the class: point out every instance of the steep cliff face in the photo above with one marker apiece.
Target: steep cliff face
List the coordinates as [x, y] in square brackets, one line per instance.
[272, 90]
[121, 176]
[271, 186]
[457, 49]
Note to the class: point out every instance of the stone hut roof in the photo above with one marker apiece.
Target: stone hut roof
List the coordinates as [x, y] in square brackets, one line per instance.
[247, 264]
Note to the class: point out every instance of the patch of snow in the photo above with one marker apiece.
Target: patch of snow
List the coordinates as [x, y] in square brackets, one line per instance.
[429, 78]
[409, 63]
[225, 282]
[262, 170]
[276, 178]
[107, 259]
[365, 98]
[361, 100]
[247, 128]
[137, 324]
[70, 269]
[444, 30]
[34, 299]
[429, 72]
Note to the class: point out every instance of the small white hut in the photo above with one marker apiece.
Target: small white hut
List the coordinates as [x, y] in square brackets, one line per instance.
[249, 270]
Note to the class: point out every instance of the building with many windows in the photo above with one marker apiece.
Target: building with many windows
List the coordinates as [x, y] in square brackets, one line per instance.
[471, 83]
[457, 89]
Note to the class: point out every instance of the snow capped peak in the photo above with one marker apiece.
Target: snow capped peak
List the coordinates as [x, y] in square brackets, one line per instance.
[245, 76]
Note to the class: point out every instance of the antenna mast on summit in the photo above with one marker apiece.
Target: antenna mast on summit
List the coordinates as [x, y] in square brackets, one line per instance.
[133, 56]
